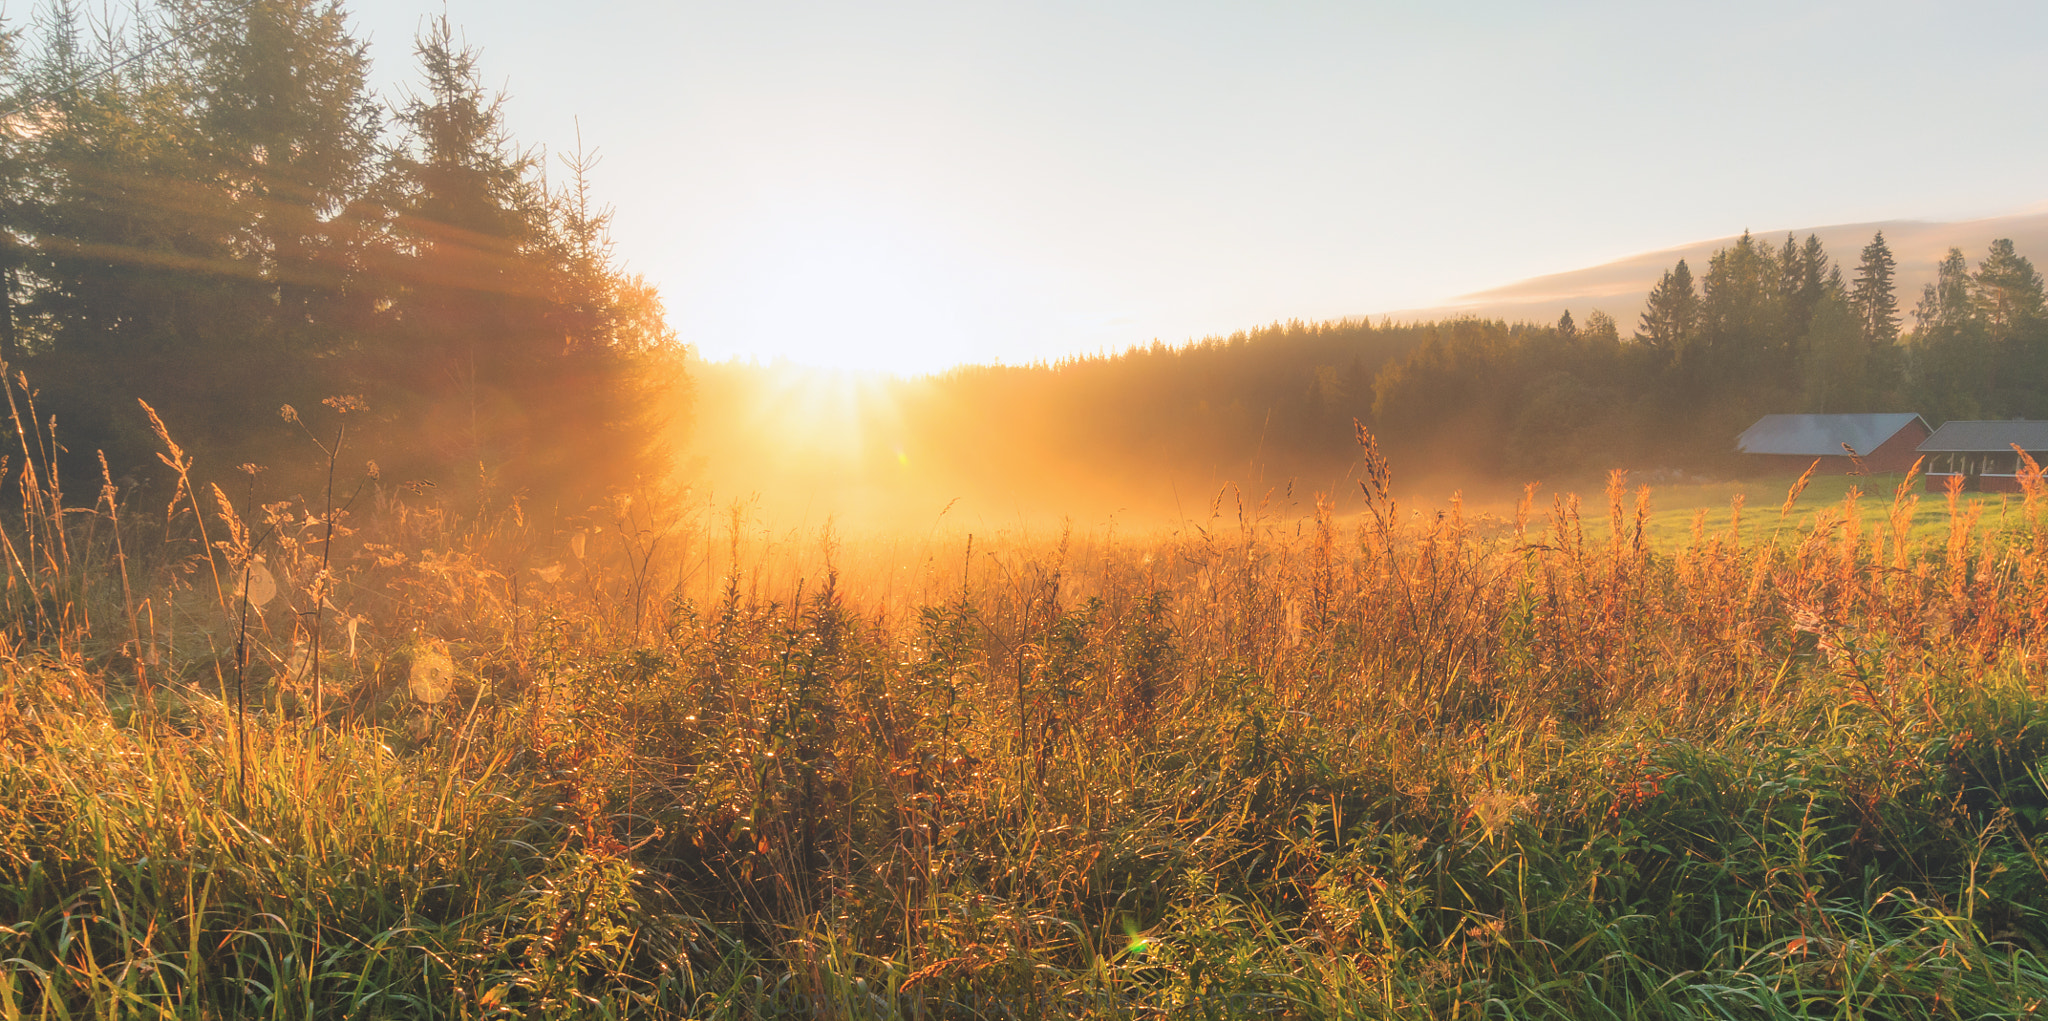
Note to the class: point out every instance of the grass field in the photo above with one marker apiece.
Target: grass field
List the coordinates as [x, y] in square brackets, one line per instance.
[668, 766]
[1675, 506]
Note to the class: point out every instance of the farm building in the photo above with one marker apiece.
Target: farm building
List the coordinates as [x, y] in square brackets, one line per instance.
[1982, 453]
[1790, 443]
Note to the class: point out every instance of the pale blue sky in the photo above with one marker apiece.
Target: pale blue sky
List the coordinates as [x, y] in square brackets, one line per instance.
[909, 185]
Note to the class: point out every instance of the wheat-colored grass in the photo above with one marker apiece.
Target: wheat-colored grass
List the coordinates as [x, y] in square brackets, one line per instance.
[667, 764]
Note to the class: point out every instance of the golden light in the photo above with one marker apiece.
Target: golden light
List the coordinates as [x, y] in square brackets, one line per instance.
[833, 415]
[842, 283]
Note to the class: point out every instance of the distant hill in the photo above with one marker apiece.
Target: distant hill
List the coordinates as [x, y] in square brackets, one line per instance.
[1480, 397]
[1619, 287]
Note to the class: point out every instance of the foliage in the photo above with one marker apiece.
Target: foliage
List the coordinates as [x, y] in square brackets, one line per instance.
[207, 212]
[1397, 766]
[1484, 405]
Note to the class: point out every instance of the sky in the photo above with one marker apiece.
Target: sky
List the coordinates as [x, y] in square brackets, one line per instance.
[904, 186]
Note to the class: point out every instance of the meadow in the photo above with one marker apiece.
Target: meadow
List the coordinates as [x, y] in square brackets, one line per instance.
[1674, 506]
[409, 759]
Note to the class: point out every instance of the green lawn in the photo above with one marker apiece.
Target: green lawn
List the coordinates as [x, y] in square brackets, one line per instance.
[1673, 507]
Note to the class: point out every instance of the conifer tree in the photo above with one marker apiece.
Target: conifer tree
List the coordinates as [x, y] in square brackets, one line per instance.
[2007, 293]
[1872, 297]
[1671, 315]
[198, 208]
[129, 237]
[1742, 314]
[15, 99]
[466, 222]
[1803, 274]
[1951, 352]
[291, 132]
[517, 346]
[1835, 364]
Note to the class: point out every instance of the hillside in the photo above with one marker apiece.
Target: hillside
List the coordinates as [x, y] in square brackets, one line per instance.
[1618, 287]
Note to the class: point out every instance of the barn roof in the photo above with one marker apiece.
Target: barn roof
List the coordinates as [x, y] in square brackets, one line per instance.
[1998, 435]
[1821, 435]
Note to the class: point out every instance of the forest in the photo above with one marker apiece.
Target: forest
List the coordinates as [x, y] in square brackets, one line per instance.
[1766, 329]
[203, 208]
[1479, 405]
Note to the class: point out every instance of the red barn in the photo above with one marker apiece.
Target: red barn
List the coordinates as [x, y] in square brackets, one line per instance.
[1885, 443]
[1982, 453]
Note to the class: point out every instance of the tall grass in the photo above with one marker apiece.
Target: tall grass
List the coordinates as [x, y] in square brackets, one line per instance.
[1387, 764]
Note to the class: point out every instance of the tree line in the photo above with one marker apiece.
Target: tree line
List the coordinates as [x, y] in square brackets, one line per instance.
[1766, 328]
[204, 206]
[1979, 347]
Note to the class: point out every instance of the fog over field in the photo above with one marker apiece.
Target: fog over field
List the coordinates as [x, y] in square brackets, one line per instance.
[441, 579]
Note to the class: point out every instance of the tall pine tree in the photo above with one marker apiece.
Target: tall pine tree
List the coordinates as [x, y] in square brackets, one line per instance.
[1671, 315]
[1876, 310]
[15, 149]
[1802, 278]
[1950, 350]
[2007, 293]
[130, 240]
[291, 131]
[1743, 340]
[517, 348]
[1872, 296]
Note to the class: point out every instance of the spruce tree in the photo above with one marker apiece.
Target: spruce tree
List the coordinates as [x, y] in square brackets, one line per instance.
[1742, 312]
[291, 131]
[1835, 366]
[129, 241]
[1950, 351]
[1671, 314]
[1803, 274]
[2007, 293]
[518, 348]
[465, 220]
[15, 99]
[1872, 297]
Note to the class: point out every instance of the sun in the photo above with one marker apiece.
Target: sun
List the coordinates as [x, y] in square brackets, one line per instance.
[853, 287]
[838, 417]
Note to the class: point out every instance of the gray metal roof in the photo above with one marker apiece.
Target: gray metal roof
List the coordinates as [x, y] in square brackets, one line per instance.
[1818, 435]
[1997, 435]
